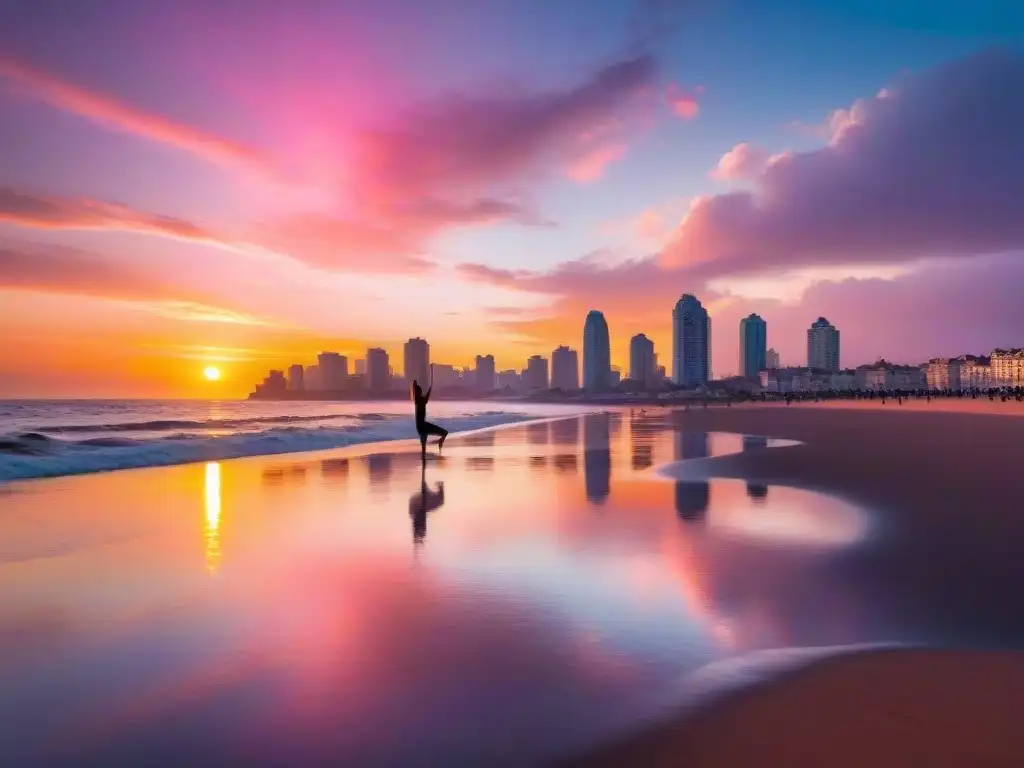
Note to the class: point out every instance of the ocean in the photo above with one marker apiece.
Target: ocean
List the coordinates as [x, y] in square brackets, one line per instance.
[50, 438]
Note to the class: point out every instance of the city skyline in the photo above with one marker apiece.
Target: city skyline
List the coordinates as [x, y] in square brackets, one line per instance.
[457, 171]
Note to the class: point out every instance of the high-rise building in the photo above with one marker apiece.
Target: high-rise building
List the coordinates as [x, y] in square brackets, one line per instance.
[642, 361]
[823, 345]
[1007, 366]
[771, 360]
[361, 367]
[378, 371]
[565, 369]
[333, 370]
[296, 380]
[417, 361]
[311, 379]
[691, 342]
[509, 379]
[597, 353]
[485, 375]
[446, 376]
[753, 346]
[536, 374]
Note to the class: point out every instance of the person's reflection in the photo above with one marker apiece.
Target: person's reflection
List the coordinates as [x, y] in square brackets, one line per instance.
[756, 491]
[597, 457]
[421, 504]
[691, 497]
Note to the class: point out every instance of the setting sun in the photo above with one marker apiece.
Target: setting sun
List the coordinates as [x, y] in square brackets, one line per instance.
[211, 373]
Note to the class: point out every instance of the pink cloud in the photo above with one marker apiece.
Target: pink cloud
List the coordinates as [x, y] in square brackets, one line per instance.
[26, 209]
[590, 166]
[33, 83]
[744, 161]
[931, 167]
[684, 102]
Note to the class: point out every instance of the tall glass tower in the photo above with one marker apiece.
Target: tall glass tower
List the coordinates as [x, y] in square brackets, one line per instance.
[597, 354]
[691, 342]
[753, 346]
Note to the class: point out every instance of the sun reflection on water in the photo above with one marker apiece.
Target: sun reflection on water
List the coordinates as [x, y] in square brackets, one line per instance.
[211, 530]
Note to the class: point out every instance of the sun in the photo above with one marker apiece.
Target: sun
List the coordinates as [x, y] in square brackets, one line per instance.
[211, 373]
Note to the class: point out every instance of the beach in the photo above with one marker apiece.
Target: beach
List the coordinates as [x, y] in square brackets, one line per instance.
[542, 590]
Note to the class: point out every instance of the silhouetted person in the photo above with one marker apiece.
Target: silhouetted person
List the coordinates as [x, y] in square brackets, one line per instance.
[422, 503]
[424, 427]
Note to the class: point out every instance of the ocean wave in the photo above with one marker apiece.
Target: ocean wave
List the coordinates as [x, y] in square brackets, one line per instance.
[161, 425]
[32, 455]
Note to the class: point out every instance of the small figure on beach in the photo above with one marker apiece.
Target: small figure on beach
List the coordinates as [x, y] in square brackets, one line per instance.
[423, 427]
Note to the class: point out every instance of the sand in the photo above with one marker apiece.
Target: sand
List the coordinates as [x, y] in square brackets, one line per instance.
[959, 465]
[883, 708]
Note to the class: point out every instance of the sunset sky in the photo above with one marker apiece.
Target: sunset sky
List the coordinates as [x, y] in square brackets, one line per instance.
[249, 182]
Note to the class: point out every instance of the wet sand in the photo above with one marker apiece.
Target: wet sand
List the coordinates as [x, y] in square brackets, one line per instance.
[529, 593]
[956, 467]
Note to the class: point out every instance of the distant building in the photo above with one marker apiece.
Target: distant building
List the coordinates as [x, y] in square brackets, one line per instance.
[785, 380]
[417, 361]
[1007, 367]
[614, 378]
[597, 355]
[311, 379]
[565, 369]
[691, 342]
[642, 361]
[883, 375]
[360, 367]
[753, 346]
[942, 373]
[486, 379]
[378, 371]
[771, 359]
[333, 371]
[823, 345]
[295, 378]
[975, 372]
[510, 380]
[661, 375]
[273, 384]
[536, 374]
[446, 376]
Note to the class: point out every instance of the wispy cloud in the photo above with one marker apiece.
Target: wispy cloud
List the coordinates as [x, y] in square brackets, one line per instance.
[30, 82]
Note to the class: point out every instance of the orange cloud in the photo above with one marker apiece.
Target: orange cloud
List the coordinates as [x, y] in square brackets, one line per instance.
[33, 83]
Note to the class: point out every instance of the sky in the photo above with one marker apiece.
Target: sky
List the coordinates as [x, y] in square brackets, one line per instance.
[249, 182]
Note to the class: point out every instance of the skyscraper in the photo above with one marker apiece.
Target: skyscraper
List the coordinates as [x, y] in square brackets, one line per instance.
[771, 359]
[753, 346]
[565, 369]
[691, 342]
[333, 370]
[485, 380]
[378, 371]
[597, 354]
[536, 375]
[823, 345]
[296, 378]
[642, 361]
[417, 361]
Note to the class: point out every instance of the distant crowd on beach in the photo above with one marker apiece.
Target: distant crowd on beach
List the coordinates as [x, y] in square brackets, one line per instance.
[1003, 394]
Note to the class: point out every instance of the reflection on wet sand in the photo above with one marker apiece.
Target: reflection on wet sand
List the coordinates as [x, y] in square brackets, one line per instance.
[597, 457]
[756, 491]
[691, 497]
[531, 612]
[422, 503]
[211, 507]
